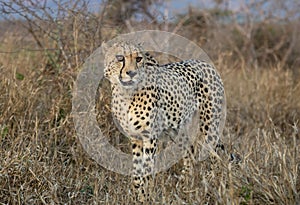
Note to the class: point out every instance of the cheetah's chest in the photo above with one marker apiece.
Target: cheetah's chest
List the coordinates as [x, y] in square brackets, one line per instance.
[135, 112]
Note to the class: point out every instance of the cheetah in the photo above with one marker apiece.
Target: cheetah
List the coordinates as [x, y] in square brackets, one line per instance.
[148, 99]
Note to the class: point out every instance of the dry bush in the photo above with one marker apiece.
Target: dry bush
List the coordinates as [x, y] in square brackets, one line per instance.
[258, 33]
[43, 162]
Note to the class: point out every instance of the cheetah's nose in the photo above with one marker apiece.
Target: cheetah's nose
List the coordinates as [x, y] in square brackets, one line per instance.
[131, 73]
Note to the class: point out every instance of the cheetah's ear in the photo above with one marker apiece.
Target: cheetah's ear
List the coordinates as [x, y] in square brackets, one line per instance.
[104, 47]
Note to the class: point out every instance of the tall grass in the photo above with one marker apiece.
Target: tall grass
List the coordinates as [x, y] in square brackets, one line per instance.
[42, 161]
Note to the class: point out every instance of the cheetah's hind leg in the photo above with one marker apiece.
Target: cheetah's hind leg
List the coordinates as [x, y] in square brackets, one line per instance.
[187, 137]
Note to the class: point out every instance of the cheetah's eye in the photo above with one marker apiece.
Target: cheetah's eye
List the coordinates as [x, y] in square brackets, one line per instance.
[120, 58]
[138, 59]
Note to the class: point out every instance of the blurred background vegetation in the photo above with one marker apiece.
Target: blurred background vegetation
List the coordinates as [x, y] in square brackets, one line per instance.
[258, 33]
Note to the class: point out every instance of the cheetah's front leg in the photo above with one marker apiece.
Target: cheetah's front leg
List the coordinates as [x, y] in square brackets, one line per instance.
[143, 152]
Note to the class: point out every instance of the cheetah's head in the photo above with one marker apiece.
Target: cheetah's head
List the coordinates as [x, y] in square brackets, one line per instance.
[124, 63]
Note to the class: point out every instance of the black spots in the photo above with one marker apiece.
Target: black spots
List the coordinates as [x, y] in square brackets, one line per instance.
[205, 105]
[148, 169]
[201, 129]
[206, 127]
[207, 111]
[147, 123]
[152, 150]
[164, 107]
[207, 117]
[221, 146]
[134, 146]
[187, 65]
[138, 127]
[136, 123]
[152, 60]
[168, 116]
[206, 90]
[147, 151]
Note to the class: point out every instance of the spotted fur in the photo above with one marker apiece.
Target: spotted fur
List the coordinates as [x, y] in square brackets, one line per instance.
[148, 99]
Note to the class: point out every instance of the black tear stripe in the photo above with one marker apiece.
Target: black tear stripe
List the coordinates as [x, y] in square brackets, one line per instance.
[123, 65]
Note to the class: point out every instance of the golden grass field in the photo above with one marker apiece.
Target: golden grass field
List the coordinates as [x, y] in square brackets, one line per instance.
[43, 162]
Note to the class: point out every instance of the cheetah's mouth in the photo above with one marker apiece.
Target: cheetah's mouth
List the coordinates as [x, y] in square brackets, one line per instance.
[126, 83]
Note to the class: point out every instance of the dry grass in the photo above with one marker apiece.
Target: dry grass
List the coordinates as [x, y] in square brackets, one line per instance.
[42, 161]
